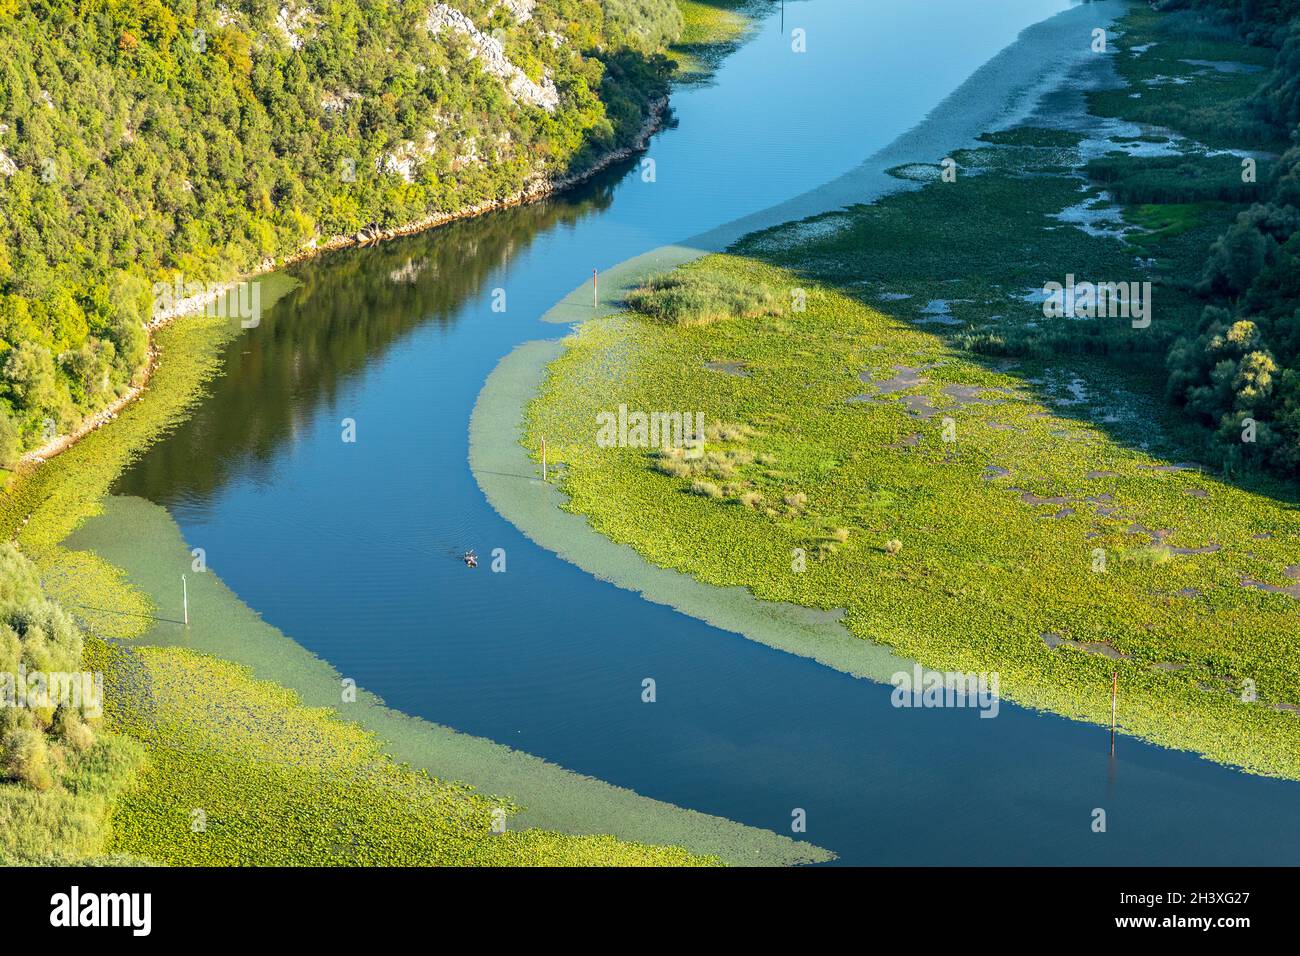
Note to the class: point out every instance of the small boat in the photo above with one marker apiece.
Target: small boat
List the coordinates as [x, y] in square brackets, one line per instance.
[470, 559]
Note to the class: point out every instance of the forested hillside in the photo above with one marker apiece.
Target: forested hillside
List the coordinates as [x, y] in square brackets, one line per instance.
[143, 141]
[1243, 363]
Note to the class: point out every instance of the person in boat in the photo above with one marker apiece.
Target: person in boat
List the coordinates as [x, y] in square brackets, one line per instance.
[471, 559]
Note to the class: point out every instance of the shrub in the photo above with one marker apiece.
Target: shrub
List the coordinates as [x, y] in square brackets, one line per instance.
[36, 635]
[671, 461]
[25, 756]
[643, 24]
[1149, 555]
[721, 431]
[1135, 180]
[706, 489]
[72, 730]
[691, 297]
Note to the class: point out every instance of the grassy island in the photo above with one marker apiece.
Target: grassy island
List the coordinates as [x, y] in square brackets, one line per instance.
[898, 428]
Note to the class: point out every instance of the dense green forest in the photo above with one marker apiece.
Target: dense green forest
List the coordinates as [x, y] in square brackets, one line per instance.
[148, 140]
[1242, 364]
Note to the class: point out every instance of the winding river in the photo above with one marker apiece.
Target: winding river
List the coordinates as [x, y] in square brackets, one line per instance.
[353, 548]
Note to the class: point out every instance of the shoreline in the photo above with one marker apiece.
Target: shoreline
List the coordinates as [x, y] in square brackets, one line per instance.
[144, 540]
[997, 95]
[554, 798]
[1039, 684]
[539, 190]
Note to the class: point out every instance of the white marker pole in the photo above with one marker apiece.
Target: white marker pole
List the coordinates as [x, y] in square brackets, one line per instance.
[1114, 699]
[595, 295]
[543, 459]
[185, 590]
[1114, 704]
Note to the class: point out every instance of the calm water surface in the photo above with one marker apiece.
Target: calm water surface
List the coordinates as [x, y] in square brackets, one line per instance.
[352, 549]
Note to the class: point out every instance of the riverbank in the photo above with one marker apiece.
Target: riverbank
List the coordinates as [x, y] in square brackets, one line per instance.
[550, 815]
[116, 574]
[196, 304]
[711, 31]
[142, 540]
[1002, 91]
[1045, 471]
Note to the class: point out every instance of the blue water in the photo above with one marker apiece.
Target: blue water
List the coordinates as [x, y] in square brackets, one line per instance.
[352, 548]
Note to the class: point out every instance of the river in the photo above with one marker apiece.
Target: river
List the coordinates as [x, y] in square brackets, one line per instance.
[352, 548]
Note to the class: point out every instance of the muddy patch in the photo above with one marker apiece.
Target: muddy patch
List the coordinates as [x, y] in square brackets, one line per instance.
[738, 369]
[1167, 469]
[973, 394]
[1204, 549]
[1102, 648]
[903, 378]
[1292, 590]
[923, 406]
[920, 406]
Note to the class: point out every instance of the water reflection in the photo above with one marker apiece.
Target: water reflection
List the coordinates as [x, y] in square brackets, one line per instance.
[345, 313]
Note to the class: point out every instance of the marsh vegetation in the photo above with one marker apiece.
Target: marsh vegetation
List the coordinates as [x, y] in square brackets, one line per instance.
[976, 485]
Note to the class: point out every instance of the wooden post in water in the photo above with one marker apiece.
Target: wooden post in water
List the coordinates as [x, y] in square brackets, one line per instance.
[595, 295]
[185, 592]
[543, 458]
